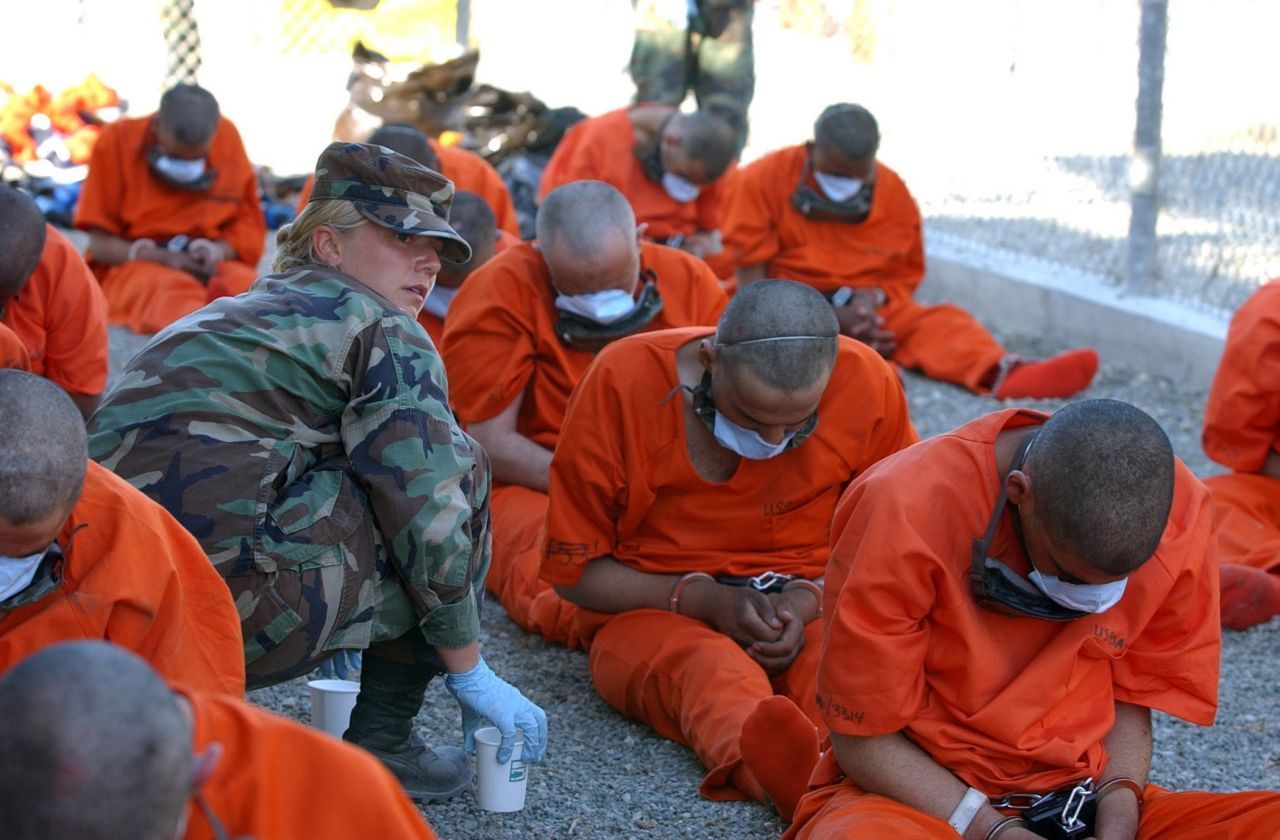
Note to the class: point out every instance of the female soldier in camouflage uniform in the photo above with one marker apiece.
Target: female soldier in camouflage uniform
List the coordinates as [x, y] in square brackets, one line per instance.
[302, 433]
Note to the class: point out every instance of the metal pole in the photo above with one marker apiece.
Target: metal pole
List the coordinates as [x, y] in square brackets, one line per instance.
[1144, 168]
[462, 29]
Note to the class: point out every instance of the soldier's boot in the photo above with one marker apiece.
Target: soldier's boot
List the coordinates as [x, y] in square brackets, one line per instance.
[390, 696]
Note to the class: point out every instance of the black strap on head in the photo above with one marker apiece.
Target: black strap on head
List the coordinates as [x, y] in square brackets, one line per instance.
[998, 588]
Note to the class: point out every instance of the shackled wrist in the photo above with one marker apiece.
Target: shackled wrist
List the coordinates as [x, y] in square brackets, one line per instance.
[1004, 825]
[1120, 783]
[681, 585]
[811, 587]
[137, 246]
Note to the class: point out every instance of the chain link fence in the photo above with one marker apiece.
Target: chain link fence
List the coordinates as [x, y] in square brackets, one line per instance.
[1012, 121]
[1029, 109]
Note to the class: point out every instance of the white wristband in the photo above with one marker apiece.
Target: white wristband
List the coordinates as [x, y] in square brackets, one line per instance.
[968, 808]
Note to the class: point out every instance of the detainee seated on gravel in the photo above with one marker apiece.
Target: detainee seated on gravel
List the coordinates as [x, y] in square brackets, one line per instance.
[171, 207]
[521, 333]
[51, 300]
[829, 213]
[95, 746]
[84, 555]
[690, 510]
[1242, 431]
[1005, 605]
[302, 432]
[671, 166]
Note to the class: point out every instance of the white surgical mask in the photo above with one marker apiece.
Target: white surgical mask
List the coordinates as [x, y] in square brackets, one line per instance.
[437, 303]
[747, 442]
[181, 171]
[16, 573]
[603, 307]
[1086, 597]
[837, 187]
[680, 188]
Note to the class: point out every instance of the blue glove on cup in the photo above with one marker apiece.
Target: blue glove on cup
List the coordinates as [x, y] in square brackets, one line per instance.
[482, 694]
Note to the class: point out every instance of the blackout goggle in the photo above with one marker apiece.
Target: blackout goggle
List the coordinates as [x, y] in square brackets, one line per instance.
[813, 204]
[999, 588]
[579, 333]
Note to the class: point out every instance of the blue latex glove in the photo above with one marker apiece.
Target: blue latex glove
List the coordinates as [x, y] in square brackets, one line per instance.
[482, 694]
[343, 665]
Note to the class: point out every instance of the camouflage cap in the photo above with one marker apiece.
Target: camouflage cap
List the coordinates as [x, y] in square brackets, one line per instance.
[395, 191]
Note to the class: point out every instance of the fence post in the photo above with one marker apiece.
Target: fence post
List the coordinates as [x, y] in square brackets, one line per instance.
[182, 37]
[1144, 168]
[462, 28]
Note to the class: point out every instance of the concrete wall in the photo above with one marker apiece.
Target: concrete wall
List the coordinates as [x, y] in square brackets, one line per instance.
[1015, 295]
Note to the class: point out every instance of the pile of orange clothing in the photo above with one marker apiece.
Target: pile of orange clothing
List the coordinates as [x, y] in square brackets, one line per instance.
[71, 114]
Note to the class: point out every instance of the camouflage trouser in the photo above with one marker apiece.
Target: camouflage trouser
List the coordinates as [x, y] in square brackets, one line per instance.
[347, 593]
[712, 57]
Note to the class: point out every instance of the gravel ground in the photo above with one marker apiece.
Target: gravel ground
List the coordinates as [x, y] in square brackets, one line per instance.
[607, 777]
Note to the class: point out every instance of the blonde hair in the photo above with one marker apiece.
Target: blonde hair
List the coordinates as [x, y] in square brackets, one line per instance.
[293, 241]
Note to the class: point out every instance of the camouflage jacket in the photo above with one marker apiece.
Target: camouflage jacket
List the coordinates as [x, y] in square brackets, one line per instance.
[270, 424]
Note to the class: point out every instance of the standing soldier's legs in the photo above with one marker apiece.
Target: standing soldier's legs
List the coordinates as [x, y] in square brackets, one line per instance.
[724, 67]
[660, 57]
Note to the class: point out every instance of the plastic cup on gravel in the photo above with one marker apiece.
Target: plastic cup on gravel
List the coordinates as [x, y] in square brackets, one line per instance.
[499, 787]
[331, 704]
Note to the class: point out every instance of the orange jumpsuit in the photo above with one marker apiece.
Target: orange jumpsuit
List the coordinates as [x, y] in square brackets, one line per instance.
[280, 779]
[1005, 703]
[61, 317]
[122, 197]
[434, 324]
[469, 173]
[133, 576]
[761, 226]
[600, 149]
[13, 353]
[500, 343]
[1241, 428]
[622, 485]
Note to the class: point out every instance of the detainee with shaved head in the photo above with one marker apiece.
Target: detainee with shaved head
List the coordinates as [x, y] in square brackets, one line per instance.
[671, 166]
[522, 331]
[95, 745]
[171, 207]
[690, 508]
[1007, 603]
[831, 214]
[85, 555]
[51, 302]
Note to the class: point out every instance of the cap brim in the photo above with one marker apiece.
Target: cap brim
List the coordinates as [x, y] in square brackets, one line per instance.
[417, 223]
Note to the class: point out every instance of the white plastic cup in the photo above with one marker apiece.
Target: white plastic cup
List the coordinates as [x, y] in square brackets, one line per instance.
[500, 787]
[331, 704]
